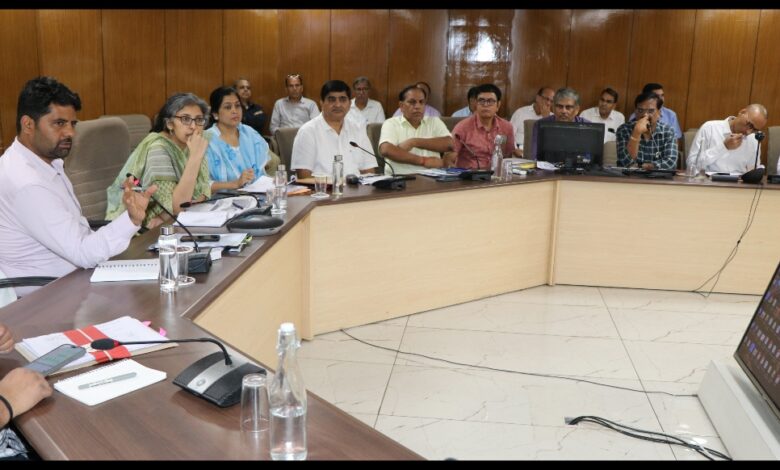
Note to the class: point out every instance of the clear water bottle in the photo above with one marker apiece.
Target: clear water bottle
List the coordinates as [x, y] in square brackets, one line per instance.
[338, 175]
[496, 161]
[280, 181]
[169, 266]
[287, 400]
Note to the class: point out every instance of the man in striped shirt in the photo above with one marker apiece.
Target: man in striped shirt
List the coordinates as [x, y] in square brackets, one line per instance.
[646, 141]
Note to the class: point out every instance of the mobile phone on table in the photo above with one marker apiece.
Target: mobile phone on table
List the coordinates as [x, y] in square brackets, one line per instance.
[201, 238]
[56, 359]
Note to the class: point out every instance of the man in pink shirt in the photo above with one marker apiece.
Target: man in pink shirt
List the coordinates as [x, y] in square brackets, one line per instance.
[474, 136]
[42, 231]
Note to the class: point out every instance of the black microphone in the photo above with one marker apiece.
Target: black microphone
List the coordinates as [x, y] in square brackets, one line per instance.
[755, 175]
[395, 182]
[474, 175]
[196, 262]
[105, 344]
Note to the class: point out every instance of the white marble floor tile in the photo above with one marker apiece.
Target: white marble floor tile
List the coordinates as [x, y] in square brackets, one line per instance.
[477, 395]
[339, 346]
[584, 357]
[352, 386]
[682, 416]
[671, 301]
[556, 295]
[682, 453]
[368, 418]
[511, 316]
[680, 327]
[674, 362]
[463, 440]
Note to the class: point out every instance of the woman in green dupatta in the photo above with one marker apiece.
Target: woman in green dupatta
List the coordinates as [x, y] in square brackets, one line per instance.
[171, 157]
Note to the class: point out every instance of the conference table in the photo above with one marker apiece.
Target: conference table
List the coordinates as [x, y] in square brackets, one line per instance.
[371, 255]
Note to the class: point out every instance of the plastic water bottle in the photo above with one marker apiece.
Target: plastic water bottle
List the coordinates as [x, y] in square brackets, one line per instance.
[496, 161]
[287, 400]
[338, 175]
[169, 265]
[280, 181]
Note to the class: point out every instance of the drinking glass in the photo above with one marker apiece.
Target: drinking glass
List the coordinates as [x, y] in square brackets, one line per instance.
[320, 187]
[182, 258]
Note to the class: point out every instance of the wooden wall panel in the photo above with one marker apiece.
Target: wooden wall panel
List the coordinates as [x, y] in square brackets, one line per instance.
[600, 41]
[193, 52]
[304, 48]
[418, 51]
[134, 61]
[724, 49]
[19, 59]
[766, 75]
[478, 51]
[70, 48]
[540, 53]
[251, 48]
[359, 46]
[661, 48]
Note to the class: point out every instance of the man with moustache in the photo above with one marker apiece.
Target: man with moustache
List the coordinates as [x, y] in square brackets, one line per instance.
[42, 231]
[647, 142]
[330, 134]
[566, 107]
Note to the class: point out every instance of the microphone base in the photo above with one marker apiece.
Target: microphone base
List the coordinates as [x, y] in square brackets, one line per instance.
[394, 183]
[199, 262]
[476, 175]
[214, 381]
[753, 176]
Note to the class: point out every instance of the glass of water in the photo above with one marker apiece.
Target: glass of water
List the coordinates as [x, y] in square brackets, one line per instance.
[320, 187]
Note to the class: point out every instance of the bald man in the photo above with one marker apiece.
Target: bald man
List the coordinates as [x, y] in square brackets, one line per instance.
[728, 145]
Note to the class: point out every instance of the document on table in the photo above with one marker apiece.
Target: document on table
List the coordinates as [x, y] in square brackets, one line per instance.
[216, 213]
[107, 382]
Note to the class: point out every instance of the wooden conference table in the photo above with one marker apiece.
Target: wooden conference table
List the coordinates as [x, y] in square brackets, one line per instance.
[372, 255]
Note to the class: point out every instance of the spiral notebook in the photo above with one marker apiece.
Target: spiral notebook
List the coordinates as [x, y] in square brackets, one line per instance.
[126, 270]
[100, 392]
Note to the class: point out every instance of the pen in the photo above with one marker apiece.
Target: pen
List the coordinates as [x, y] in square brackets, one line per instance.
[108, 380]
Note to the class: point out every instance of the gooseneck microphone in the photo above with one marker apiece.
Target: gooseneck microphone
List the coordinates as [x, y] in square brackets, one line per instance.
[474, 175]
[755, 175]
[105, 344]
[395, 182]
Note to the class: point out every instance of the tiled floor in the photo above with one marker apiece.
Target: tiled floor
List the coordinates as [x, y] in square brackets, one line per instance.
[642, 339]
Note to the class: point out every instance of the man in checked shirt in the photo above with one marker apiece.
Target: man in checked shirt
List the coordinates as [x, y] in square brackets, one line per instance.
[647, 142]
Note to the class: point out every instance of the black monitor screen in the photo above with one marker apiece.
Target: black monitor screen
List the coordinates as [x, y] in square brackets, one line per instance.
[571, 144]
[759, 351]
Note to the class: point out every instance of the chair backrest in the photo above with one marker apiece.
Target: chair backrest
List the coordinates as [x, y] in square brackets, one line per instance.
[138, 126]
[528, 128]
[284, 142]
[100, 149]
[772, 149]
[450, 121]
[688, 137]
[610, 153]
[374, 130]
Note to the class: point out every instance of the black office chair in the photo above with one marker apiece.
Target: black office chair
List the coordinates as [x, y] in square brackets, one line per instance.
[11, 282]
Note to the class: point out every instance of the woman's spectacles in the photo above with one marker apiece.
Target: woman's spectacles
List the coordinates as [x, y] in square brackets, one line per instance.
[187, 120]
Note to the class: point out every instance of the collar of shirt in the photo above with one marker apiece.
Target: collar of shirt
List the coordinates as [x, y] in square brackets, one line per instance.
[405, 122]
[40, 166]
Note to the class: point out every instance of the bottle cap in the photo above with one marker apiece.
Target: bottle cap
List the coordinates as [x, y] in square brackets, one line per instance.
[337, 158]
[287, 328]
[166, 230]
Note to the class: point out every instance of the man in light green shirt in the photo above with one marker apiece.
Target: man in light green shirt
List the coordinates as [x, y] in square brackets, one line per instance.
[412, 141]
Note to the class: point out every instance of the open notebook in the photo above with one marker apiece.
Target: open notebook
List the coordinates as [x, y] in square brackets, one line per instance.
[127, 270]
[97, 387]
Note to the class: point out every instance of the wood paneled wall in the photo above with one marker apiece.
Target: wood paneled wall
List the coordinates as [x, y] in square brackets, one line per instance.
[711, 62]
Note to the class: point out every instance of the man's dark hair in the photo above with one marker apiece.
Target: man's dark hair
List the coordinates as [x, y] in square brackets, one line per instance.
[645, 95]
[473, 92]
[215, 100]
[335, 86]
[402, 95]
[37, 96]
[611, 92]
[652, 87]
[489, 88]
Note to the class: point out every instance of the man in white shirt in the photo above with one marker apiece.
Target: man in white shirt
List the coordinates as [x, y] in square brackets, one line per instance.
[540, 108]
[728, 145]
[330, 134]
[294, 110]
[605, 113]
[468, 110]
[364, 107]
[42, 231]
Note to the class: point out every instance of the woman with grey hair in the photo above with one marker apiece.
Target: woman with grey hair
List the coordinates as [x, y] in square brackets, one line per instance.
[171, 157]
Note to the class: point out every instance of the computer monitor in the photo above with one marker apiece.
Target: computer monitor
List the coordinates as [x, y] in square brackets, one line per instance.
[571, 144]
[759, 351]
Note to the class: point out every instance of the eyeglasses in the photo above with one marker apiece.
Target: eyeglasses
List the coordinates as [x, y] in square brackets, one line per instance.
[362, 88]
[293, 75]
[645, 111]
[486, 101]
[188, 120]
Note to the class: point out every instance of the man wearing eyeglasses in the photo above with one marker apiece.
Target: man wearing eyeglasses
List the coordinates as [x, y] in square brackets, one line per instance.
[330, 134]
[363, 107]
[566, 106]
[605, 113]
[667, 116]
[540, 108]
[728, 145]
[647, 142]
[294, 110]
[474, 137]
